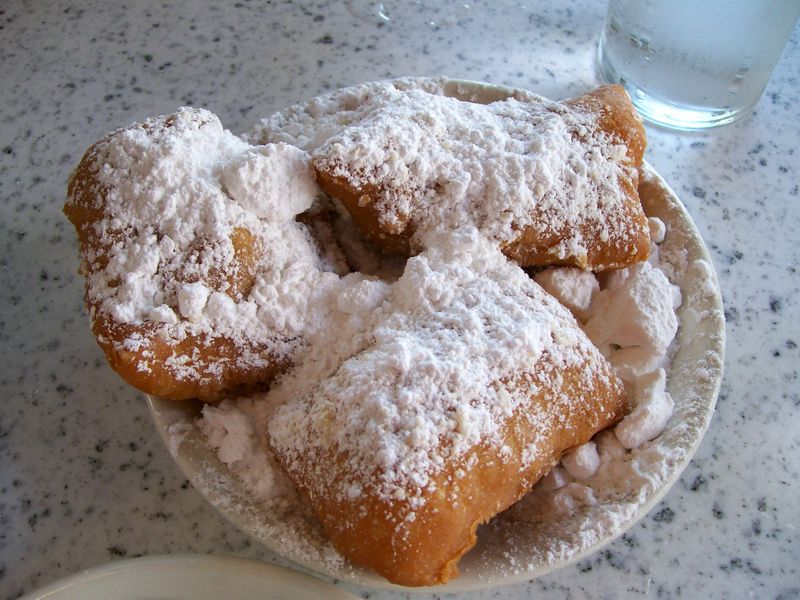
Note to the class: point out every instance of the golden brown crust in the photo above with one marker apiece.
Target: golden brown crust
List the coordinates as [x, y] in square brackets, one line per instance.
[617, 118]
[376, 533]
[142, 357]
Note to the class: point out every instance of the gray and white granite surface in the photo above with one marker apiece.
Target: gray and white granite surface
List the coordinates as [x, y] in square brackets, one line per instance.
[84, 478]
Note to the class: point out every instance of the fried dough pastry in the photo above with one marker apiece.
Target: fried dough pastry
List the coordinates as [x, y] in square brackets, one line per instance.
[171, 247]
[460, 383]
[553, 183]
[464, 399]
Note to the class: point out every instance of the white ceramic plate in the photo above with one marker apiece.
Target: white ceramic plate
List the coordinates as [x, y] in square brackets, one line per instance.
[189, 577]
[509, 550]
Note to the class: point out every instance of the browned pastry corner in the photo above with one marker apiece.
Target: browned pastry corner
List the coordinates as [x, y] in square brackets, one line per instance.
[366, 215]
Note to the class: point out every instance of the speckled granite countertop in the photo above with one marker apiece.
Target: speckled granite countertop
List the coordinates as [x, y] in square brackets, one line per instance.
[84, 478]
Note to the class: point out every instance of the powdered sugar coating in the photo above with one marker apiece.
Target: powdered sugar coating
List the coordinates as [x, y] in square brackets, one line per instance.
[274, 182]
[426, 390]
[439, 163]
[197, 238]
[582, 462]
[542, 531]
[235, 431]
[616, 479]
[637, 308]
[653, 408]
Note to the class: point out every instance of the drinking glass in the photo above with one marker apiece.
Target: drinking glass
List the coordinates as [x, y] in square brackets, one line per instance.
[694, 64]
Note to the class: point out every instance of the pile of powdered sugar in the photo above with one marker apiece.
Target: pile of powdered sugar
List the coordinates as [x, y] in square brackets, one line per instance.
[632, 319]
[600, 488]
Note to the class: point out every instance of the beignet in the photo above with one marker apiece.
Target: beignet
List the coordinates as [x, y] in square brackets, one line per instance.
[474, 384]
[553, 183]
[184, 241]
